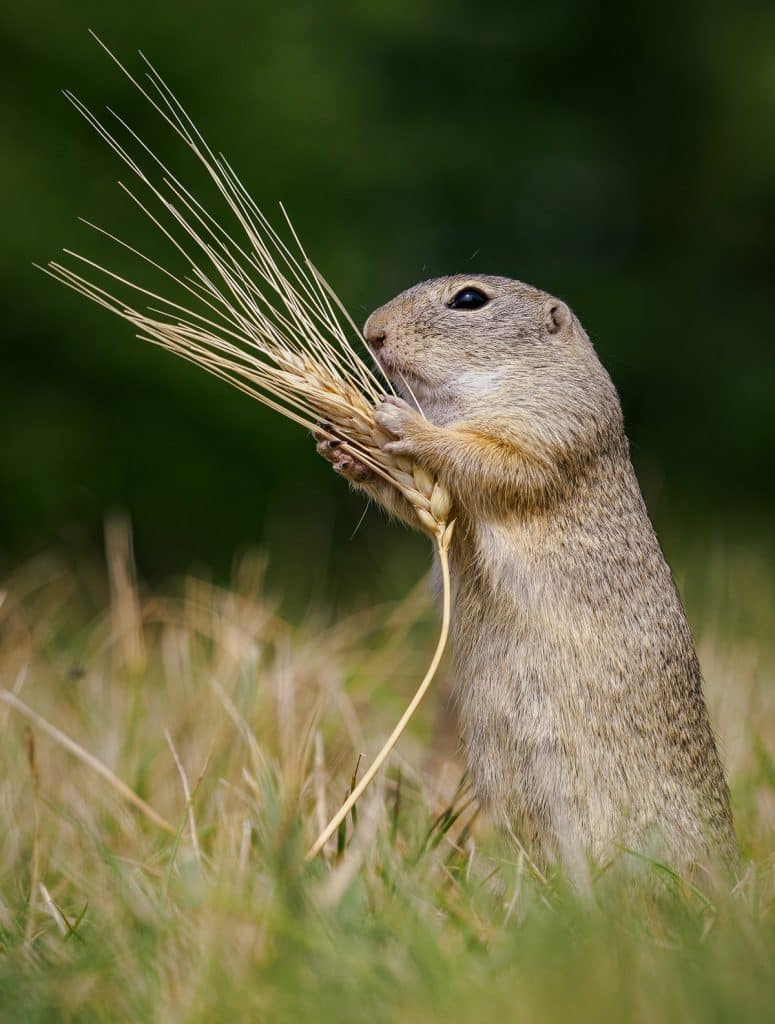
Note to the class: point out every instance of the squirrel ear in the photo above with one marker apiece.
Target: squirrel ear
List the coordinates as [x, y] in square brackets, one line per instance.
[557, 316]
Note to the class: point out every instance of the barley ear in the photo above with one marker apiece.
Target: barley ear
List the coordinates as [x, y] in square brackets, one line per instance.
[250, 308]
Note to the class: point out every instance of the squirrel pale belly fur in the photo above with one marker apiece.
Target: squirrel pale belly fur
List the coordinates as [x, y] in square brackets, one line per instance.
[578, 686]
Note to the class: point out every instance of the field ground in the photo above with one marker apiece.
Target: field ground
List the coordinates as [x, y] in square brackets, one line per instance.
[237, 732]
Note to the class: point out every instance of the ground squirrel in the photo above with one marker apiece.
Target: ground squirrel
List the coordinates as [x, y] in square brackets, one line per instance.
[577, 682]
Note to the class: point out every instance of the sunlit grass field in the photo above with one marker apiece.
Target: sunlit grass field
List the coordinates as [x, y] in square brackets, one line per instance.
[236, 730]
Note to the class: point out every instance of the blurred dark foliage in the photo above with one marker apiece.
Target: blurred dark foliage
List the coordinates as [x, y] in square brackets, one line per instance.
[623, 158]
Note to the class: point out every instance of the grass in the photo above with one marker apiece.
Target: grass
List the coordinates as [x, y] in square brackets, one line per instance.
[242, 731]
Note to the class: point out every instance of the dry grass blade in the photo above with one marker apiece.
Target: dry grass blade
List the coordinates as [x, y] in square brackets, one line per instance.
[12, 701]
[248, 307]
[187, 794]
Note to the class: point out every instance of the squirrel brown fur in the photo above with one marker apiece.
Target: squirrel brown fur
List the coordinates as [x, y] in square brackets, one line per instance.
[577, 682]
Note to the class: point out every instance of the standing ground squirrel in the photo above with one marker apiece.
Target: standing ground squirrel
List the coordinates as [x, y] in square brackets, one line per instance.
[577, 682]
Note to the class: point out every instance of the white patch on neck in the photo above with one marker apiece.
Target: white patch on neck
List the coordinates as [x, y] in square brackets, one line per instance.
[479, 383]
[446, 403]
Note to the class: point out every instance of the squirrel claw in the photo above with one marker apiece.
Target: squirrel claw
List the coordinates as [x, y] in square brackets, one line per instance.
[343, 462]
[395, 416]
[398, 447]
[351, 468]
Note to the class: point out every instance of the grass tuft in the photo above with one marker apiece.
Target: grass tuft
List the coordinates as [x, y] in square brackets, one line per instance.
[240, 729]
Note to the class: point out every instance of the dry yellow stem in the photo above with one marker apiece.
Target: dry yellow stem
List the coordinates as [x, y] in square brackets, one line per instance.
[443, 539]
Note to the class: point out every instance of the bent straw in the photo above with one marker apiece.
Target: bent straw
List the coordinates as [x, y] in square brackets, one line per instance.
[442, 542]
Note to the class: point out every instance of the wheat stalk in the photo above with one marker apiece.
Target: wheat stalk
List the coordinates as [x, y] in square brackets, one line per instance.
[256, 313]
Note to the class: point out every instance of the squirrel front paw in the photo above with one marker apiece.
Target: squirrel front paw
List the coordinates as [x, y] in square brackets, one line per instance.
[396, 418]
[345, 463]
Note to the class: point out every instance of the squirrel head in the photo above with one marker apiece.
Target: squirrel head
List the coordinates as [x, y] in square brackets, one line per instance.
[474, 346]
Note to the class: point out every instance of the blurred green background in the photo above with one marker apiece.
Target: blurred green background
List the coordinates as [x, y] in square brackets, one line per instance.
[624, 161]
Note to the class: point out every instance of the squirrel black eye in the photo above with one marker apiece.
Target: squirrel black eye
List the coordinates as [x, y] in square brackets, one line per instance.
[468, 298]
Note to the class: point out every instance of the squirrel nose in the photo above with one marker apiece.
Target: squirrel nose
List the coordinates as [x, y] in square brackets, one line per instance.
[375, 334]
